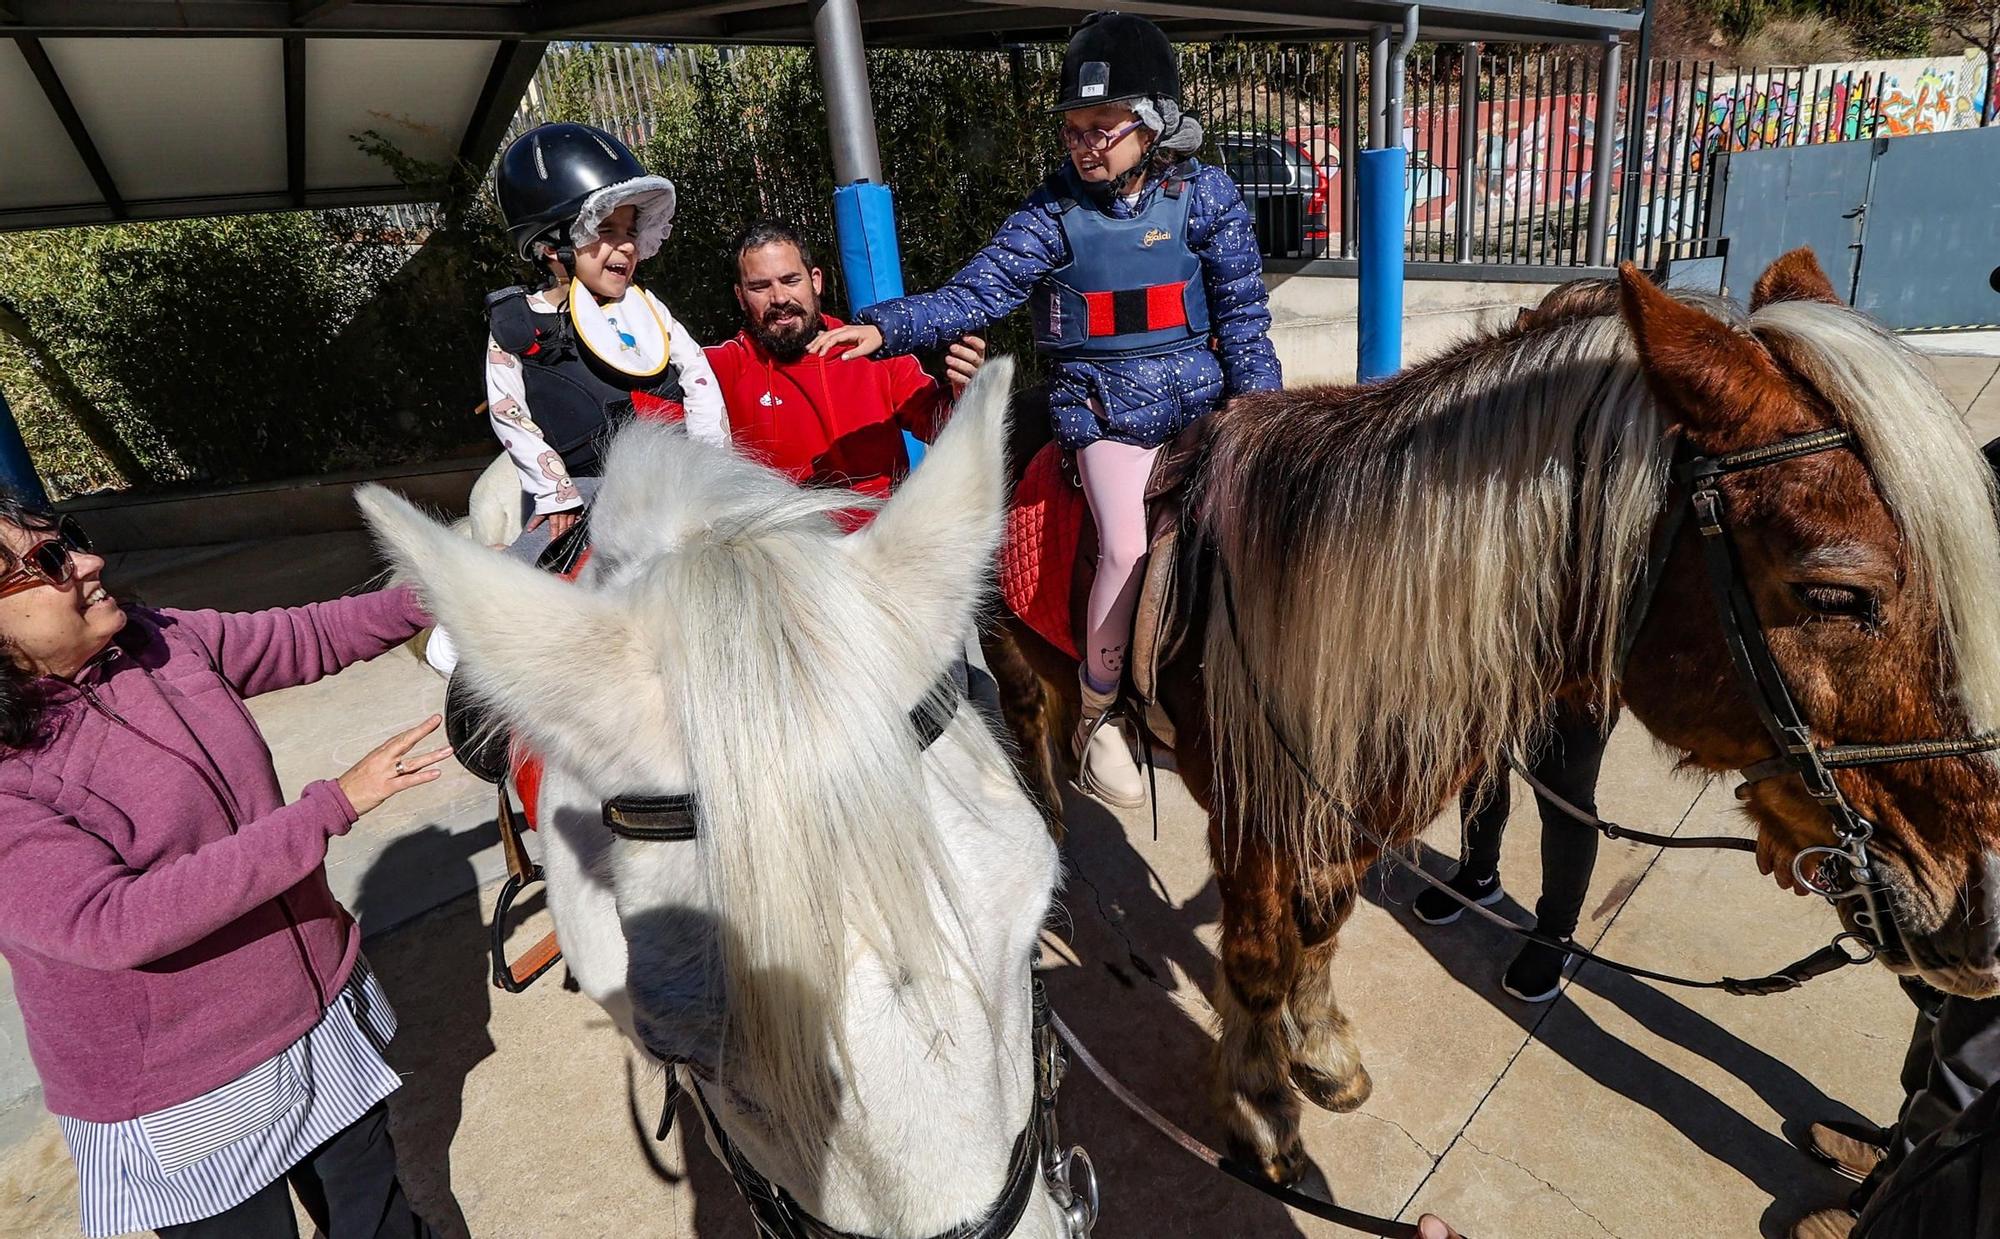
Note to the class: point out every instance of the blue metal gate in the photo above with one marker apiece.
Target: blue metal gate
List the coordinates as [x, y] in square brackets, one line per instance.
[1907, 228]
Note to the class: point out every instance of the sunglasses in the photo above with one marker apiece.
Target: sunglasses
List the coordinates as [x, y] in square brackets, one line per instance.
[1095, 140]
[49, 561]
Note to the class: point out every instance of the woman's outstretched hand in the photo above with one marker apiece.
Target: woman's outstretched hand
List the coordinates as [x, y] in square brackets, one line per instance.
[855, 339]
[390, 768]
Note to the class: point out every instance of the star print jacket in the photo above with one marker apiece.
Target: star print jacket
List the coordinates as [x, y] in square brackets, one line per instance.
[1139, 400]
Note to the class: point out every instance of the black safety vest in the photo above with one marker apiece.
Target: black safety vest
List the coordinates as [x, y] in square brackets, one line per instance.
[576, 399]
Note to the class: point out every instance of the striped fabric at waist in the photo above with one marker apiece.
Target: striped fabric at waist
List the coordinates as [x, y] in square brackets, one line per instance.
[210, 1153]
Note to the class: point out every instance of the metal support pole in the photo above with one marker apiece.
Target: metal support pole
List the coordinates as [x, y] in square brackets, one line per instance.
[843, 74]
[1604, 152]
[1384, 171]
[1635, 136]
[1350, 144]
[17, 468]
[1398, 75]
[1378, 83]
[1468, 141]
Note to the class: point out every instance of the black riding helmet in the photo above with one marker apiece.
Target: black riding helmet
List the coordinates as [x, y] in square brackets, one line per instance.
[546, 174]
[1115, 57]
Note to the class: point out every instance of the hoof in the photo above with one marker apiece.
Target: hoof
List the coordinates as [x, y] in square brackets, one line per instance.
[1284, 1168]
[1339, 1096]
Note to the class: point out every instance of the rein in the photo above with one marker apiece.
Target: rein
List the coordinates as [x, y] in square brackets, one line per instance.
[1757, 669]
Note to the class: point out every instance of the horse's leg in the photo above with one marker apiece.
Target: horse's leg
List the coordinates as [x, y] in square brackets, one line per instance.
[1260, 960]
[1326, 1064]
[1033, 707]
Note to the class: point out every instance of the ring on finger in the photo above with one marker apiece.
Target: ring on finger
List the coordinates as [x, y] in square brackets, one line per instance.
[399, 767]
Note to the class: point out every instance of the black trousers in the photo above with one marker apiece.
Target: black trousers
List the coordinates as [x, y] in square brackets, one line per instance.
[348, 1186]
[1954, 1057]
[1566, 757]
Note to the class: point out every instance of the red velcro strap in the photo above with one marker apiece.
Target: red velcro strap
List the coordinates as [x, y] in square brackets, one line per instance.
[1103, 314]
[1165, 307]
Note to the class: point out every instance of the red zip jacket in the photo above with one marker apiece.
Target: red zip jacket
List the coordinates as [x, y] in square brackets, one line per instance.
[827, 422]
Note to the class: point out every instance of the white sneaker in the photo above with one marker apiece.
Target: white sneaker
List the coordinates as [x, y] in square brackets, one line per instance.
[1106, 769]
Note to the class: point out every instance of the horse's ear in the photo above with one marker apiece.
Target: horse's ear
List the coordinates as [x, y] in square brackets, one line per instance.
[534, 646]
[1710, 376]
[1794, 277]
[933, 544]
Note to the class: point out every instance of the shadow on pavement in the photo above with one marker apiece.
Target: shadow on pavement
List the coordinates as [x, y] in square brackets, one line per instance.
[1475, 954]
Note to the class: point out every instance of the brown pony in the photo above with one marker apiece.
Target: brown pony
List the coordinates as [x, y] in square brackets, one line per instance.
[1403, 577]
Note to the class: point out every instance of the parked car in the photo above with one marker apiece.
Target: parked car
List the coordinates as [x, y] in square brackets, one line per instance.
[1289, 193]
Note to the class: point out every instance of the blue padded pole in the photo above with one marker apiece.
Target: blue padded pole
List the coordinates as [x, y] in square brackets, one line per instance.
[1380, 190]
[871, 261]
[17, 468]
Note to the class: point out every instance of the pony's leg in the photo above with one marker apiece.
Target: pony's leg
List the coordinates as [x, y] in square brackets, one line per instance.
[1326, 1063]
[582, 904]
[1035, 714]
[1260, 955]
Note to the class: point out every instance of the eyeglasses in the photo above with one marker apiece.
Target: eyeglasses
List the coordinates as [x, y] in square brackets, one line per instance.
[48, 561]
[1095, 140]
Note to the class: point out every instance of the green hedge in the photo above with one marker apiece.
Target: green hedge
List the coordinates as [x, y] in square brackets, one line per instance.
[267, 346]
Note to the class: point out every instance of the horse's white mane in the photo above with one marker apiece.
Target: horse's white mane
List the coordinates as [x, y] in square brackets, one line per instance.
[1413, 610]
[728, 639]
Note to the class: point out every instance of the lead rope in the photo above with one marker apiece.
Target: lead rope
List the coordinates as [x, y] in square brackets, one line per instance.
[1290, 1197]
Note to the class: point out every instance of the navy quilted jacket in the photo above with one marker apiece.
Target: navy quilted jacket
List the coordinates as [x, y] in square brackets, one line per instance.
[1145, 400]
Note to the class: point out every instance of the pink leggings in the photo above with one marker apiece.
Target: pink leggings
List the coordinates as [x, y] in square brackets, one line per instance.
[1114, 481]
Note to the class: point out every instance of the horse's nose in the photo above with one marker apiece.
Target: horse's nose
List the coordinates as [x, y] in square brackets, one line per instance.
[1967, 943]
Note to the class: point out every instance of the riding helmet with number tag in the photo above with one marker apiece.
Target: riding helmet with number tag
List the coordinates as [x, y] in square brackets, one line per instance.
[1115, 57]
[546, 175]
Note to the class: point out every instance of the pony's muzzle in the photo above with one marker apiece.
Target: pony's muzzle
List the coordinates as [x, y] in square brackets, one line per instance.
[1961, 954]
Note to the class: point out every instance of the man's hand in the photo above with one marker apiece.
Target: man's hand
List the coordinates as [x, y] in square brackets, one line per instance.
[858, 339]
[559, 523]
[962, 361]
[1431, 1226]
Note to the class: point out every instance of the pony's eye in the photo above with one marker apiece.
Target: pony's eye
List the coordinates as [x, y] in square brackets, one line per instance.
[1835, 600]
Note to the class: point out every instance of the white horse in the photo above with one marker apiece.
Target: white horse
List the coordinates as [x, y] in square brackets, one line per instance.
[841, 955]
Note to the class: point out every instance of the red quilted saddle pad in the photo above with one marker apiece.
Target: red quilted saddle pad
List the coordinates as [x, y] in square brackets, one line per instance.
[527, 765]
[1038, 555]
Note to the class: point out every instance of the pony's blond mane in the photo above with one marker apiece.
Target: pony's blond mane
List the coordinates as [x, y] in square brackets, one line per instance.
[1927, 466]
[1416, 565]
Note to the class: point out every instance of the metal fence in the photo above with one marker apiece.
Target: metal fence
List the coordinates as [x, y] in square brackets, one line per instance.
[1502, 142]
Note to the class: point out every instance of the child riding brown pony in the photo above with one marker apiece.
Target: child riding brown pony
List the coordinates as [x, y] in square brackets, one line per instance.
[1625, 496]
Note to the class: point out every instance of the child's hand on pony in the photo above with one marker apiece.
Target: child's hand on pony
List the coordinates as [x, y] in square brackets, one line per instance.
[559, 523]
[859, 339]
[962, 361]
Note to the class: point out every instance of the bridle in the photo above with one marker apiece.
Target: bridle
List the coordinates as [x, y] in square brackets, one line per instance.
[1846, 870]
[1068, 1174]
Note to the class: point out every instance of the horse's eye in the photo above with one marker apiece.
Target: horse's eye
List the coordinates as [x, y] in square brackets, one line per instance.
[1835, 600]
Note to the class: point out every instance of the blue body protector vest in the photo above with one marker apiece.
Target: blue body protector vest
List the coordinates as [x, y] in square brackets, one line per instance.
[1132, 287]
[576, 400]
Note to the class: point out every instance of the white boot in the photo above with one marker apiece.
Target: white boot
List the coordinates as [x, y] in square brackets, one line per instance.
[1105, 768]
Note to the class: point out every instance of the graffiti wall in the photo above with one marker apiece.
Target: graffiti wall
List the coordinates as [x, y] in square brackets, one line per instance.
[1532, 160]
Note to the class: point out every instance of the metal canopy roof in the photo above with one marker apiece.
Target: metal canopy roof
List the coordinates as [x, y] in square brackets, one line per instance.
[145, 109]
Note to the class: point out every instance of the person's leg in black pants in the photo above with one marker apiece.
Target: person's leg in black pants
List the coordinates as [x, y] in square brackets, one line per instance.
[266, 1215]
[355, 1174]
[1566, 757]
[348, 1186]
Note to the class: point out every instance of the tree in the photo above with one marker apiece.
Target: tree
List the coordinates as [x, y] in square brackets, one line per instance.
[1978, 23]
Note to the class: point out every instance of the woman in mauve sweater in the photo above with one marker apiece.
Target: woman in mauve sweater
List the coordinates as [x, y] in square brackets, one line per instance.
[196, 1001]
